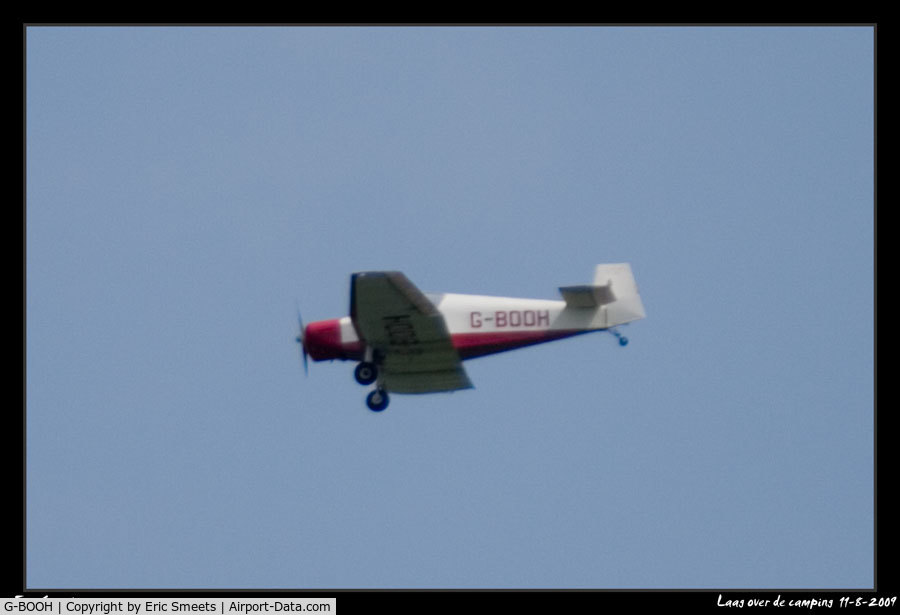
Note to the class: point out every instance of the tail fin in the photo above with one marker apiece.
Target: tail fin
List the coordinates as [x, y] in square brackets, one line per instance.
[628, 305]
[614, 291]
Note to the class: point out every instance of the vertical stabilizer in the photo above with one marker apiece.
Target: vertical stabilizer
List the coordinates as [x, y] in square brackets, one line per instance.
[619, 279]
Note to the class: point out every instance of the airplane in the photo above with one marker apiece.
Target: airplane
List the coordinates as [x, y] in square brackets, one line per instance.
[407, 341]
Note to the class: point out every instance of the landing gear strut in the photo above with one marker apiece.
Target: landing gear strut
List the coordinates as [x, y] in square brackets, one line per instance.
[377, 400]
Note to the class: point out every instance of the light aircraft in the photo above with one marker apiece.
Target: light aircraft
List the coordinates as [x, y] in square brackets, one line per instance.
[407, 341]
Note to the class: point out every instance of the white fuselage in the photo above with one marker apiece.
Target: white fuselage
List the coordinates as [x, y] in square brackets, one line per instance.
[483, 324]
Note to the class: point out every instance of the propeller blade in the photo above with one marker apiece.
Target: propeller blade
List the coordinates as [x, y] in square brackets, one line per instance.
[299, 339]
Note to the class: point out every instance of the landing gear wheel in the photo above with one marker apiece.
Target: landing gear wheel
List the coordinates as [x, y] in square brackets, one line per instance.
[365, 373]
[623, 341]
[377, 400]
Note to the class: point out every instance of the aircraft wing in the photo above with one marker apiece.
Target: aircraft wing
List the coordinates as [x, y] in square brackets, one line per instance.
[410, 338]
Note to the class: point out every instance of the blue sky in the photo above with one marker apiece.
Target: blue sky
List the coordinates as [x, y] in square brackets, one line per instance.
[188, 187]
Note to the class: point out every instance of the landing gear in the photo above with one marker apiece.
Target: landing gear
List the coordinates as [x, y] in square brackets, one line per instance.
[377, 400]
[365, 373]
[623, 341]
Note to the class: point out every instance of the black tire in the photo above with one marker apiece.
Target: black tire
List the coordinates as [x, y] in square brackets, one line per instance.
[365, 373]
[377, 400]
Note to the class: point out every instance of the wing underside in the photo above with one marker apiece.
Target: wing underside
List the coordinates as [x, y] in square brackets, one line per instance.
[407, 332]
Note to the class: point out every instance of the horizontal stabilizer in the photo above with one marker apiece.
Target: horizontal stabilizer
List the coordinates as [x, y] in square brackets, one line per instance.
[613, 295]
[587, 296]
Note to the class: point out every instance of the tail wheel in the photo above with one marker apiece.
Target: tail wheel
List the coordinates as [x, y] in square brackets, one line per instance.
[623, 341]
[377, 400]
[365, 373]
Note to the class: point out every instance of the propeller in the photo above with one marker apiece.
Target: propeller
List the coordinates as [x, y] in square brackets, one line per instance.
[299, 339]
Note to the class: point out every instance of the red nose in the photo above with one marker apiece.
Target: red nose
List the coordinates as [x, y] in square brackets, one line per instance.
[323, 339]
